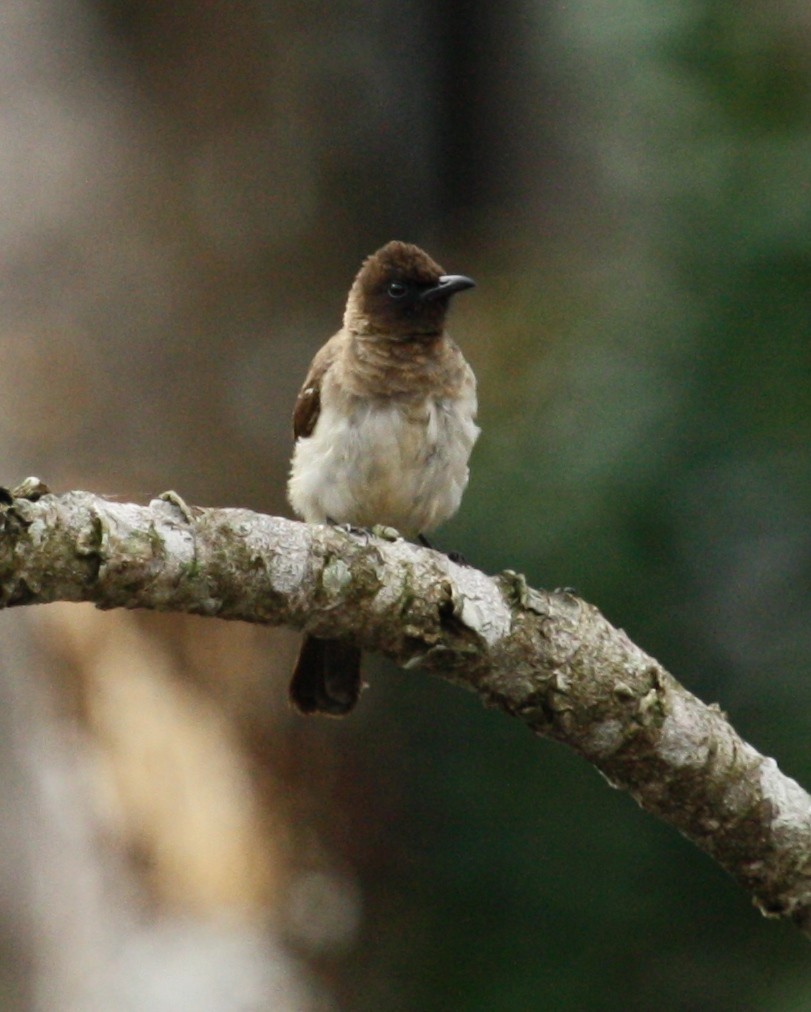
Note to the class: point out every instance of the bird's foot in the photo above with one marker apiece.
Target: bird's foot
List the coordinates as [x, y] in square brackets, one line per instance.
[456, 557]
[377, 531]
[386, 533]
[179, 503]
[31, 489]
[357, 532]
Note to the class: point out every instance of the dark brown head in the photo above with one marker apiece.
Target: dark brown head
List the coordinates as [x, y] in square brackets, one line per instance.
[400, 291]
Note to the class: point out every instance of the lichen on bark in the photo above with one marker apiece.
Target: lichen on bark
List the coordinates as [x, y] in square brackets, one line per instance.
[549, 659]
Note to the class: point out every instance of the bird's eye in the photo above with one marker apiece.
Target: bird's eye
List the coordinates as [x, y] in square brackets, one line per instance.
[397, 289]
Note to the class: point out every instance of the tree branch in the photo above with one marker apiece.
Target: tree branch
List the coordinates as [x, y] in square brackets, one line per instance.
[549, 659]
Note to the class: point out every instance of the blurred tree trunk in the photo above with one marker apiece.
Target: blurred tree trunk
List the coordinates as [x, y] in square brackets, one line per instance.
[183, 186]
[189, 188]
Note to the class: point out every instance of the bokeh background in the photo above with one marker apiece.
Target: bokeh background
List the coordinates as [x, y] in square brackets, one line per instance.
[187, 190]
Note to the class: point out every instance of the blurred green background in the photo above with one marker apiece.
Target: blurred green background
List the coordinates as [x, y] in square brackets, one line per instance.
[191, 189]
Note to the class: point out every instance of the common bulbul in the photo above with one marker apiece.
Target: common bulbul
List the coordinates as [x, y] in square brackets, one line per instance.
[384, 426]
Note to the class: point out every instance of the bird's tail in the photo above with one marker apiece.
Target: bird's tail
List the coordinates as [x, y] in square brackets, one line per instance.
[326, 678]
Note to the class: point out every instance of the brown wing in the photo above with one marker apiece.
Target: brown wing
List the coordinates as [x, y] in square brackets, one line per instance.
[308, 404]
[307, 409]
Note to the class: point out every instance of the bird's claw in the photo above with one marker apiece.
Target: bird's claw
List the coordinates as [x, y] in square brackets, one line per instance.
[31, 489]
[377, 531]
[358, 532]
[179, 503]
[386, 533]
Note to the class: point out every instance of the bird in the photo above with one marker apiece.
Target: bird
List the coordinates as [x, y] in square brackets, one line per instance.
[384, 426]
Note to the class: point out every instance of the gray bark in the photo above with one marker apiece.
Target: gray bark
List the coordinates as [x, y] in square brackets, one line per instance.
[549, 659]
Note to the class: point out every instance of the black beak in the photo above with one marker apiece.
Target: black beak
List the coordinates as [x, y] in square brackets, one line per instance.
[447, 285]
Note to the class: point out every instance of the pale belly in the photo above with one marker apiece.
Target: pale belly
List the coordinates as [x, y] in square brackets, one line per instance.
[381, 465]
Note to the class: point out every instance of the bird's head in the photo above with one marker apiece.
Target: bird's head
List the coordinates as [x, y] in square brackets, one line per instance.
[400, 291]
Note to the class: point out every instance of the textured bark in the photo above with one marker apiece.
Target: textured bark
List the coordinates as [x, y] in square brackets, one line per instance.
[550, 659]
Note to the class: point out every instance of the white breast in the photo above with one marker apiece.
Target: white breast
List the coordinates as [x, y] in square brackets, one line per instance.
[383, 462]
